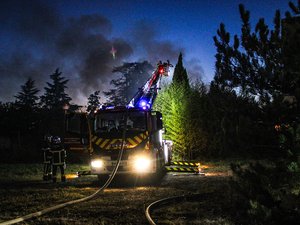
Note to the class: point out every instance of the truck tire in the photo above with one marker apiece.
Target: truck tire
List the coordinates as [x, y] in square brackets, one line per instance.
[160, 171]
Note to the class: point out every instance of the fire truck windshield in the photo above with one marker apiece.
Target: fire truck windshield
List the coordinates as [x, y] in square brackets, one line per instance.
[114, 122]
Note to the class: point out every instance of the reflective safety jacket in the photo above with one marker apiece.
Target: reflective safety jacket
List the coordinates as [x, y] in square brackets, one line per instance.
[47, 155]
[58, 155]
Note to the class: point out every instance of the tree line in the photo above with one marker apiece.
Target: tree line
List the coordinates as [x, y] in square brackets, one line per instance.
[255, 87]
[233, 116]
[249, 110]
[24, 122]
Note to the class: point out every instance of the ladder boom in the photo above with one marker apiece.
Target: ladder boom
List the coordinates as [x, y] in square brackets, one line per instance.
[146, 95]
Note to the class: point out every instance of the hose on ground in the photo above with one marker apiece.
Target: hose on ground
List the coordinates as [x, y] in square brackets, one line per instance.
[166, 201]
[62, 205]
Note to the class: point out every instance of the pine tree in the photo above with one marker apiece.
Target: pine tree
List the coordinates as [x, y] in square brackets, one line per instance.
[183, 111]
[252, 63]
[25, 117]
[133, 76]
[172, 103]
[27, 98]
[180, 76]
[93, 101]
[117, 95]
[55, 96]
[291, 59]
[262, 64]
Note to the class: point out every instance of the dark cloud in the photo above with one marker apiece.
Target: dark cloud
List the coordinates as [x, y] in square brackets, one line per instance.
[99, 63]
[29, 28]
[84, 42]
[81, 35]
[194, 69]
[38, 21]
[43, 40]
[146, 35]
[36, 39]
[33, 19]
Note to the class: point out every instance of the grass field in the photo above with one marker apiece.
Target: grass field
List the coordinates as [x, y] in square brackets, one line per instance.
[31, 172]
[22, 191]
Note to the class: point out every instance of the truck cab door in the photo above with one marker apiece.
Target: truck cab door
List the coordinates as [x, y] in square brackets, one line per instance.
[77, 132]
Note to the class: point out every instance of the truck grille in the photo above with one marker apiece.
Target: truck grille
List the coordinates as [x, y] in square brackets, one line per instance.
[110, 168]
[115, 157]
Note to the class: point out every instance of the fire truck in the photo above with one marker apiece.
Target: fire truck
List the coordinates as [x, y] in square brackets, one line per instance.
[101, 133]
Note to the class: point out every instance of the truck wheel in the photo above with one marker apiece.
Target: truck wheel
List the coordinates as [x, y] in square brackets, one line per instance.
[160, 172]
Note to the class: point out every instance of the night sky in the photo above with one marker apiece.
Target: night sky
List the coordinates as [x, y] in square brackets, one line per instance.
[77, 36]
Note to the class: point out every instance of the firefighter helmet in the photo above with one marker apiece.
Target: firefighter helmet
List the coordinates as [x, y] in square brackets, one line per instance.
[55, 140]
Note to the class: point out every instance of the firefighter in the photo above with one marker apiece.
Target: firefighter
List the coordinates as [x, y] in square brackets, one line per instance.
[58, 158]
[47, 171]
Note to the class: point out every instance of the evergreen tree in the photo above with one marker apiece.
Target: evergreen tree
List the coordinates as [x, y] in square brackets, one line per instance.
[133, 76]
[117, 95]
[229, 122]
[291, 57]
[252, 64]
[93, 101]
[181, 109]
[180, 75]
[55, 96]
[262, 65]
[172, 103]
[27, 97]
[22, 120]
[26, 116]
[196, 133]
[8, 125]
[256, 65]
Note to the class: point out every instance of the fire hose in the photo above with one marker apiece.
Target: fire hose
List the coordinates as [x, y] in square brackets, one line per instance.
[167, 201]
[73, 202]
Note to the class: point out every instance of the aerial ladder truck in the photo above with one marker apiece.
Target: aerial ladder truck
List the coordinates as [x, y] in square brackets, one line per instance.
[145, 152]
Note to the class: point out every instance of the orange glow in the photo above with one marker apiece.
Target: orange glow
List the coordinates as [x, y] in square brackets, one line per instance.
[147, 146]
[277, 127]
[71, 176]
[205, 166]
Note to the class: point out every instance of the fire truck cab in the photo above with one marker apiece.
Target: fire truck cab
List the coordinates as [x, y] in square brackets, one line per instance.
[143, 143]
[134, 128]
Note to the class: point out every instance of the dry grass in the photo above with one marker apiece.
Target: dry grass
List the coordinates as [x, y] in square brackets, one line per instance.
[30, 172]
[119, 204]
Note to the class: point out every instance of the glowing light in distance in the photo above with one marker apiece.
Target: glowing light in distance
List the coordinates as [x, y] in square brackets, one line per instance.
[113, 52]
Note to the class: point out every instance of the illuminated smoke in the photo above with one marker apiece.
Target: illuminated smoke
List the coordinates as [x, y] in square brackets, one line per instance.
[40, 40]
[36, 39]
[147, 36]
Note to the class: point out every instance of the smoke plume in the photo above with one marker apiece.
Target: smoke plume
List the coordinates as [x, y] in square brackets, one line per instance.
[36, 39]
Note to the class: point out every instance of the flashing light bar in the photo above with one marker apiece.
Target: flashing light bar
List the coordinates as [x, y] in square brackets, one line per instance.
[143, 104]
[161, 69]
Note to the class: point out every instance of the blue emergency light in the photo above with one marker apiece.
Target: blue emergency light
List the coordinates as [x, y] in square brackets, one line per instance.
[144, 104]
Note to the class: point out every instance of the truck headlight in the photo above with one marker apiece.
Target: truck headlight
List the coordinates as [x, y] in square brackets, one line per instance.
[97, 163]
[142, 164]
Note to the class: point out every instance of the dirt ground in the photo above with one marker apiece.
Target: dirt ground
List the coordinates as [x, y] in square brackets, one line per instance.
[120, 204]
